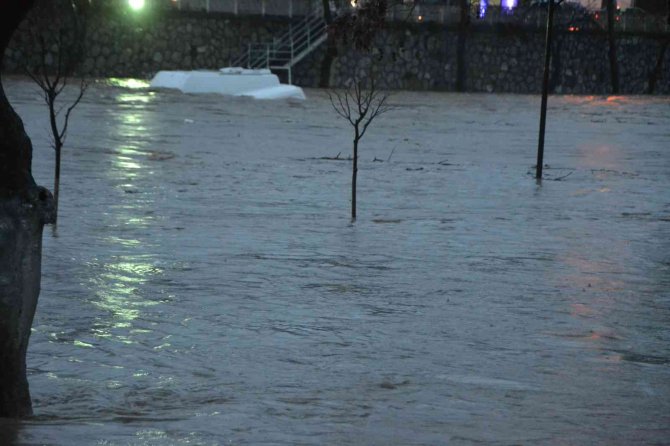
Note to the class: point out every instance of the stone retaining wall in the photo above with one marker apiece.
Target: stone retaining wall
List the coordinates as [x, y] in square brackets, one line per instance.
[424, 58]
[412, 56]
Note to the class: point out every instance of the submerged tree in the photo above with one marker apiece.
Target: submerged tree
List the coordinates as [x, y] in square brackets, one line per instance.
[24, 210]
[58, 33]
[360, 103]
[362, 100]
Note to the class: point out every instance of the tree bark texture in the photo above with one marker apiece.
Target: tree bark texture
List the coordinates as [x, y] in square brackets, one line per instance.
[24, 209]
[21, 223]
[16, 151]
[15, 146]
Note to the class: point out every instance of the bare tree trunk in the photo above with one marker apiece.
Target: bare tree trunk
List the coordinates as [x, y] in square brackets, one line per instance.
[66, 17]
[24, 209]
[354, 174]
[21, 223]
[614, 67]
[359, 106]
[58, 145]
[56, 184]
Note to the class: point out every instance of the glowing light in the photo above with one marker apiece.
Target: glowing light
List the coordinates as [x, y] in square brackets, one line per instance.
[420, 18]
[133, 84]
[483, 6]
[510, 4]
[136, 4]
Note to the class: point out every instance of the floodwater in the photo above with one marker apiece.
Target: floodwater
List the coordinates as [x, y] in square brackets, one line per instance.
[206, 285]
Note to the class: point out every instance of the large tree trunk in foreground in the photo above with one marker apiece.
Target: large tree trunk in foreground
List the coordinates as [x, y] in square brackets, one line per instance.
[24, 209]
[15, 147]
[21, 223]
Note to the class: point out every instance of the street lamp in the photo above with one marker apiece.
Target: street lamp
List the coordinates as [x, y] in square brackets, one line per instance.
[136, 5]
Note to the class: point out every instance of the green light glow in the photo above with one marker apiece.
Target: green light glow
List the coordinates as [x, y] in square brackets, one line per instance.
[136, 5]
[132, 84]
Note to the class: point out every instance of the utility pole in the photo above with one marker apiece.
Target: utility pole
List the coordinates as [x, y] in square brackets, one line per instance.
[545, 91]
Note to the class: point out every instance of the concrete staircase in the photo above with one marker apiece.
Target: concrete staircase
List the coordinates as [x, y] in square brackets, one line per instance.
[283, 52]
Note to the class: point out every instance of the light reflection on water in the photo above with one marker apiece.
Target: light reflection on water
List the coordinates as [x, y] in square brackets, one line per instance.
[118, 289]
[118, 283]
[206, 286]
[131, 84]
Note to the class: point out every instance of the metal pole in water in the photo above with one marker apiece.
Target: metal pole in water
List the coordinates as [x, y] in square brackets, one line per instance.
[545, 91]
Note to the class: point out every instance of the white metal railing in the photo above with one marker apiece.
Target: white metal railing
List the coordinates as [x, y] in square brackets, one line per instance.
[288, 49]
[286, 8]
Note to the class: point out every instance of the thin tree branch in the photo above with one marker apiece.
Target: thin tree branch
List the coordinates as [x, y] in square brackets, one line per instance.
[338, 108]
[379, 109]
[82, 89]
[347, 93]
[35, 79]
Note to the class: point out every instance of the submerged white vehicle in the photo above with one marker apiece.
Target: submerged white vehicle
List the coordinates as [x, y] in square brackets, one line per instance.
[234, 81]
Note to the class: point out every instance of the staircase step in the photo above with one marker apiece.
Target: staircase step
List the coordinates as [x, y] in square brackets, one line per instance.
[284, 52]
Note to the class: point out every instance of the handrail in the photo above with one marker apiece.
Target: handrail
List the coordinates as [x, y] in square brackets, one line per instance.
[315, 16]
[286, 50]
